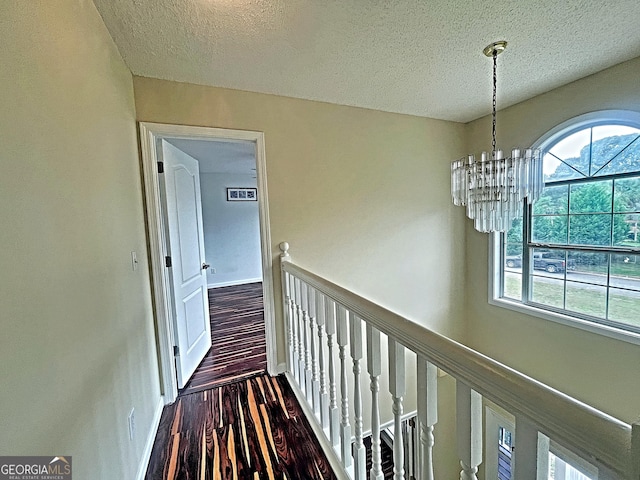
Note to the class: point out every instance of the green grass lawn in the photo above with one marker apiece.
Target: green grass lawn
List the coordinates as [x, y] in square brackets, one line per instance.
[591, 300]
[631, 270]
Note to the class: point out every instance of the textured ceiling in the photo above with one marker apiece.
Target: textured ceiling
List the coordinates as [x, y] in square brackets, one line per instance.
[420, 57]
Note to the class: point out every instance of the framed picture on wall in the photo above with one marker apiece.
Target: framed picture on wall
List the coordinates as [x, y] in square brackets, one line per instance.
[242, 194]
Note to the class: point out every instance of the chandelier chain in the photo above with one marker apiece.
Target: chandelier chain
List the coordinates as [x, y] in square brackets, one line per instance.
[495, 83]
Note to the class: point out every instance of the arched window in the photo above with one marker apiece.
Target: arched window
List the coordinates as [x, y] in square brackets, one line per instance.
[576, 251]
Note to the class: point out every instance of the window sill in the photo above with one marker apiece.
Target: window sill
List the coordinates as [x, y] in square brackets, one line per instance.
[604, 330]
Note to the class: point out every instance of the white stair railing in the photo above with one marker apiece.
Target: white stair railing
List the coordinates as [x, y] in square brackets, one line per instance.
[319, 311]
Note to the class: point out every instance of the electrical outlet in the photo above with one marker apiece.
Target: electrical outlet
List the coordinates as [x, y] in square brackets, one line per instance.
[213, 270]
[132, 424]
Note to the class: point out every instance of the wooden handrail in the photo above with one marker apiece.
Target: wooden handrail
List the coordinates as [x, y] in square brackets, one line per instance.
[590, 433]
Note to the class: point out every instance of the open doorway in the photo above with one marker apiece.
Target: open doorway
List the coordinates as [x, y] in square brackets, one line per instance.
[231, 235]
[225, 171]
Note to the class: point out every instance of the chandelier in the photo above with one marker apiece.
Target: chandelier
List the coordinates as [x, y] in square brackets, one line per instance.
[494, 186]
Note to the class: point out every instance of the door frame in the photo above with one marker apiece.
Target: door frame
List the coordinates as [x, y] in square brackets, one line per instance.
[150, 136]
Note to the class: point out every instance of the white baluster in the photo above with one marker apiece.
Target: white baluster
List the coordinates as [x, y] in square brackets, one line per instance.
[635, 450]
[323, 394]
[397, 388]
[359, 452]
[287, 301]
[307, 343]
[427, 414]
[291, 316]
[531, 458]
[374, 367]
[334, 413]
[469, 430]
[300, 322]
[314, 394]
[294, 325]
[345, 427]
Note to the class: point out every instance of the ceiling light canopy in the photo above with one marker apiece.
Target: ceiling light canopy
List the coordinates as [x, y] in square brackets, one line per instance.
[493, 187]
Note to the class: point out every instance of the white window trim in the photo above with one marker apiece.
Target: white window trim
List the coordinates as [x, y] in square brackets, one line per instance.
[573, 125]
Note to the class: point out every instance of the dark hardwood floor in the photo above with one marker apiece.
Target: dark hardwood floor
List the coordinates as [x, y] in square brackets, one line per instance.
[386, 456]
[237, 336]
[251, 429]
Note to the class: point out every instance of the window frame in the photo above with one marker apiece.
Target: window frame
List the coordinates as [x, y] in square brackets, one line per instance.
[496, 250]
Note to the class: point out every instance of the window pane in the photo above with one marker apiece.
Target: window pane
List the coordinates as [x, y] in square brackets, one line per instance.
[574, 152]
[626, 229]
[625, 272]
[512, 269]
[624, 301]
[587, 299]
[514, 235]
[624, 306]
[592, 197]
[588, 267]
[548, 262]
[547, 291]
[549, 229]
[627, 161]
[613, 148]
[513, 260]
[559, 469]
[627, 195]
[590, 229]
[513, 285]
[556, 170]
[513, 245]
[553, 201]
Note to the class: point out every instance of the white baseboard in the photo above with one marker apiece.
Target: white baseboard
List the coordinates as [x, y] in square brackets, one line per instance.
[234, 282]
[325, 444]
[151, 436]
[277, 369]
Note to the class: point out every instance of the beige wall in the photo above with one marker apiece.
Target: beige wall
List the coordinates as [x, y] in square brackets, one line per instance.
[361, 196]
[600, 371]
[77, 343]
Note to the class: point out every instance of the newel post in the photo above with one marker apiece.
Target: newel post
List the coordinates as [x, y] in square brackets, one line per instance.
[287, 307]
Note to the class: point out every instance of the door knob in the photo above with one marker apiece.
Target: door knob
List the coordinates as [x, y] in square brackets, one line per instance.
[205, 266]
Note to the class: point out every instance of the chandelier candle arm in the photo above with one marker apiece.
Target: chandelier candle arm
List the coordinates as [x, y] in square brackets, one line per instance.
[493, 188]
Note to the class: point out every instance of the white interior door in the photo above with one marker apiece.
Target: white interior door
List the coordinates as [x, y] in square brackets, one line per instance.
[188, 273]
